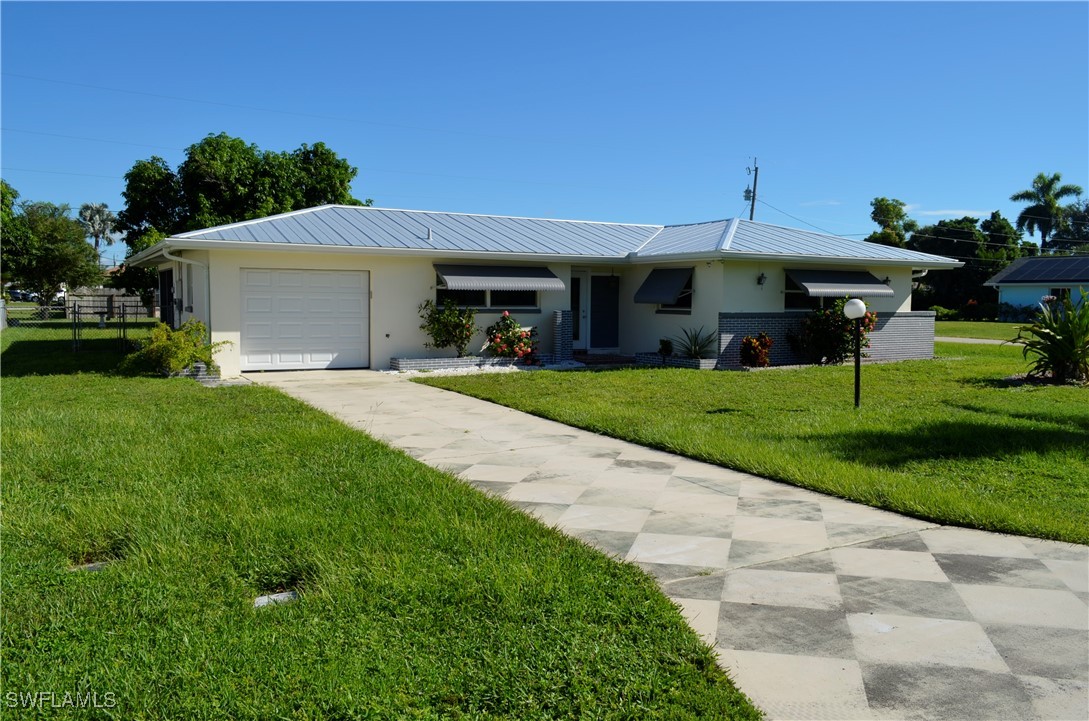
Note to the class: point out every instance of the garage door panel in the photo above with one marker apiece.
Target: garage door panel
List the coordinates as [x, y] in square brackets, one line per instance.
[304, 319]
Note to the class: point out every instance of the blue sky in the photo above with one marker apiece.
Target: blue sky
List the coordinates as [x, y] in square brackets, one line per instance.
[627, 112]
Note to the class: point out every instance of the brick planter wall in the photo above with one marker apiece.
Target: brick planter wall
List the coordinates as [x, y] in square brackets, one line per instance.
[897, 336]
[656, 359]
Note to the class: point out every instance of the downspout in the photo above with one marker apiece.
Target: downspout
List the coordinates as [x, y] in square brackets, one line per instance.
[207, 284]
[915, 274]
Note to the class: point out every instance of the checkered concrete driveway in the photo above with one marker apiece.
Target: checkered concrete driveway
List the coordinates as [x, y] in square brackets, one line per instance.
[818, 608]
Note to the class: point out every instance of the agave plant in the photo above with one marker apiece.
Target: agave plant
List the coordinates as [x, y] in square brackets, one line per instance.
[1057, 343]
[694, 343]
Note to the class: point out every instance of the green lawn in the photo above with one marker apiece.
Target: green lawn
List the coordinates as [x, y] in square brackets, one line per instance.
[419, 597]
[947, 440]
[976, 329]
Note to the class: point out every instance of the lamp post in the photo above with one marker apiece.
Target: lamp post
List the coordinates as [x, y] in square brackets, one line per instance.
[855, 309]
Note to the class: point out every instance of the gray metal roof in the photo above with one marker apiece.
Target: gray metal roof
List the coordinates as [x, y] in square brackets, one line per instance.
[1062, 270]
[679, 239]
[500, 237]
[364, 227]
[751, 238]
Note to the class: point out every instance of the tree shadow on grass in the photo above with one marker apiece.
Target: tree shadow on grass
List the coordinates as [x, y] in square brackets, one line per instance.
[38, 357]
[946, 440]
[1075, 420]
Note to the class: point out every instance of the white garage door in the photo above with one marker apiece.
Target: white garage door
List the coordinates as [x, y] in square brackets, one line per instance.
[296, 319]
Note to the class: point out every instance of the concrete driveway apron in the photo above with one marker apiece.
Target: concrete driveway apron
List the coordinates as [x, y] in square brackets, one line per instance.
[819, 608]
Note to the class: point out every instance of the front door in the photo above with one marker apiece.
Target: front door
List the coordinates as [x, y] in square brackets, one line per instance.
[604, 312]
[580, 310]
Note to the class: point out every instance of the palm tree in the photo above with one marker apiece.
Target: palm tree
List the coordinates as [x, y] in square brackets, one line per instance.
[1044, 214]
[97, 221]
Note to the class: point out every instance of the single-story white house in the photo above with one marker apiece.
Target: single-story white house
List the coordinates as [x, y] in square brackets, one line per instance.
[1025, 281]
[339, 286]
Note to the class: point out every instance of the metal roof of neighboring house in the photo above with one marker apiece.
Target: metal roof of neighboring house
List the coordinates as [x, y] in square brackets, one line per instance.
[1061, 270]
[492, 237]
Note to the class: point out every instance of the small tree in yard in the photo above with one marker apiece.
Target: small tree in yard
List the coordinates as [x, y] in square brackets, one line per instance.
[44, 249]
[1058, 340]
[448, 327]
[828, 336]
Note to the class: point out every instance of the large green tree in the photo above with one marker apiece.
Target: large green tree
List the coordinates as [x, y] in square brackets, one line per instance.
[1044, 214]
[891, 216]
[48, 249]
[225, 180]
[98, 221]
[985, 248]
[1074, 230]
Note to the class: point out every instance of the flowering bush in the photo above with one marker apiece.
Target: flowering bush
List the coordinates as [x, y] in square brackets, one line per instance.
[755, 351]
[507, 339]
[449, 327]
[828, 336]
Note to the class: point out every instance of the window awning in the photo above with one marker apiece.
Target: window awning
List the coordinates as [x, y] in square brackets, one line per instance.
[839, 283]
[663, 286]
[498, 277]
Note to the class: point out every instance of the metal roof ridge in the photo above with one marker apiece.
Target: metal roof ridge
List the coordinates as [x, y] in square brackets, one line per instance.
[644, 243]
[252, 221]
[489, 215]
[728, 235]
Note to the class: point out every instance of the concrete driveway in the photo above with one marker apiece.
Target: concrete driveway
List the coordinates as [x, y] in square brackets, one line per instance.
[818, 608]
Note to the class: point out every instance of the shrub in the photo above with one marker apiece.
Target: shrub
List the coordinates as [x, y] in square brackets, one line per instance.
[171, 352]
[755, 351]
[507, 339]
[1058, 340]
[448, 327]
[694, 343]
[828, 336]
[941, 313]
[665, 347]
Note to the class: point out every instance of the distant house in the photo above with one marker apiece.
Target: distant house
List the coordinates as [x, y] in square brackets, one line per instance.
[339, 286]
[1026, 280]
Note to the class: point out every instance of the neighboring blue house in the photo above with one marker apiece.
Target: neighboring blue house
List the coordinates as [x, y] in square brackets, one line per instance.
[1026, 280]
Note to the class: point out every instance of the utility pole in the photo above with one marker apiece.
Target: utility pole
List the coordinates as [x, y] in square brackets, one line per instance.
[750, 195]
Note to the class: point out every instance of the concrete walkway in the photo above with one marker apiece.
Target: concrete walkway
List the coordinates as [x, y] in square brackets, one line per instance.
[977, 341]
[819, 608]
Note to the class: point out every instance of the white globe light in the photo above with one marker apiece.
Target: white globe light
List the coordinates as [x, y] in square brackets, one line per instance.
[854, 309]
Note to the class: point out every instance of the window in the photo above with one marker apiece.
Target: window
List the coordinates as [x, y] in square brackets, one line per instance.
[683, 304]
[1060, 293]
[795, 298]
[485, 299]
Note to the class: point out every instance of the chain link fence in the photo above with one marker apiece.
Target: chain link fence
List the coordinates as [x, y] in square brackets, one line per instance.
[82, 326]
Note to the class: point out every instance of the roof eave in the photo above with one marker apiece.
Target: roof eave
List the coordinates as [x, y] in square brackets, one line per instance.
[844, 260]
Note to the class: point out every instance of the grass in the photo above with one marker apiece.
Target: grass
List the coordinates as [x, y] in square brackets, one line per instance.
[991, 330]
[948, 440]
[419, 597]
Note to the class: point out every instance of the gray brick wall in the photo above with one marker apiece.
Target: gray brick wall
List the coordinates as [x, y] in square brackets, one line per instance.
[562, 332]
[897, 336]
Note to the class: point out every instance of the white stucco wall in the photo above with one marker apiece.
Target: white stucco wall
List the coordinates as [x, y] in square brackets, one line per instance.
[397, 285]
[642, 326]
